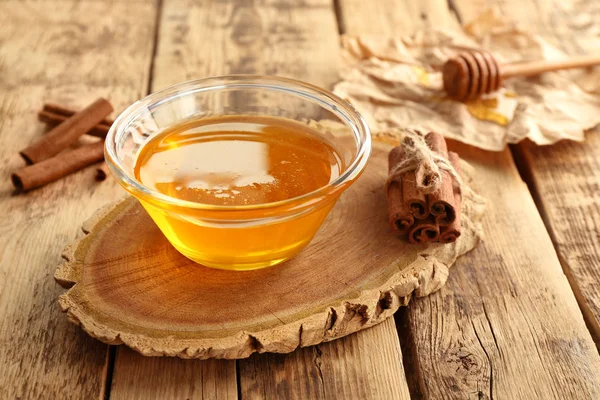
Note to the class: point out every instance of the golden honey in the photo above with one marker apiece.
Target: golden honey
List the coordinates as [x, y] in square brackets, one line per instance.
[250, 164]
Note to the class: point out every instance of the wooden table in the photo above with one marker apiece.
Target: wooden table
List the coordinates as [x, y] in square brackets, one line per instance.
[517, 319]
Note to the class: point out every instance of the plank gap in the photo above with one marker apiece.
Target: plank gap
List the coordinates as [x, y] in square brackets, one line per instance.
[159, 12]
[110, 367]
[238, 379]
[410, 359]
[339, 18]
[454, 10]
[524, 166]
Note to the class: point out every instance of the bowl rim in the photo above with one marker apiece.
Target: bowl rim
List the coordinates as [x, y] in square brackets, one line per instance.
[324, 98]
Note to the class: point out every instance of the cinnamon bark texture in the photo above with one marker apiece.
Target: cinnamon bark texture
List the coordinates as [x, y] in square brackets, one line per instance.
[424, 231]
[428, 211]
[441, 201]
[57, 109]
[405, 202]
[54, 168]
[450, 233]
[53, 119]
[67, 132]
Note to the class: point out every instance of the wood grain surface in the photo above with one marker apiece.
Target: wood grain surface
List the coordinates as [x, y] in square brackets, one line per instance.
[169, 378]
[506, 323]
[268, 37]
[393, 17]
[565, 177]
[62, 51]
[342, 369]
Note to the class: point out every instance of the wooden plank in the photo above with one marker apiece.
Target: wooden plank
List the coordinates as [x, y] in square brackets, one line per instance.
[392, 18]
[301, 41]
[565, 180]
[365, 365]
[506, 324]
[270, 37]
[62, 51]
[565, 177]
[138, 377]
[277, 38]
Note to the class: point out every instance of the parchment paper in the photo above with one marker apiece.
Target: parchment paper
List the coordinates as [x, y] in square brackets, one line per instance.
[397, 83]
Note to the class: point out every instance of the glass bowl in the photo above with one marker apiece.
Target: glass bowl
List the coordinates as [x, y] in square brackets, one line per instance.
[248, 236]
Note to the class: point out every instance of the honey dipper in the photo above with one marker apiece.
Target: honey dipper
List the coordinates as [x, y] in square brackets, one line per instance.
[473, 73]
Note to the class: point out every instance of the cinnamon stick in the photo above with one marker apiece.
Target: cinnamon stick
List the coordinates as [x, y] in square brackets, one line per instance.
[413, 203]
[441, 202]
[53, 119]
[67, 112]
[399, 218]
[450, 233]
[424, 231]
[67, 132]
[33, 176]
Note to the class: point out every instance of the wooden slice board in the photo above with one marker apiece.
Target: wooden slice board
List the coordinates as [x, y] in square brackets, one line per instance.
[129, 285]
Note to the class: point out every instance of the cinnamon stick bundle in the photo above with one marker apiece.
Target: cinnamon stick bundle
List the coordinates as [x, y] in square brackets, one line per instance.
[51, 169]
[53, 114]
[63, 135]
[423, 218]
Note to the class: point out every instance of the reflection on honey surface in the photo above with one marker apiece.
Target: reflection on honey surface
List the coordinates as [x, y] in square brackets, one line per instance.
[237, 162]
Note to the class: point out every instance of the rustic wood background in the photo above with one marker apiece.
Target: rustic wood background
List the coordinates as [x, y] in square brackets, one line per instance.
[518, 318]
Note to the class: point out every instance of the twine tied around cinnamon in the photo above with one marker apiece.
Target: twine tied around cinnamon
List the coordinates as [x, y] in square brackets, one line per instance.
[427, 164]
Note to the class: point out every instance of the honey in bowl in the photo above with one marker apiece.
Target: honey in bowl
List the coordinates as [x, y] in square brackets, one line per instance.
[238, 161]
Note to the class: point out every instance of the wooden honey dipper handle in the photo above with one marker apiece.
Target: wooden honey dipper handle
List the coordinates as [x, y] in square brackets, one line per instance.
[471, 74]
[538, 67]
